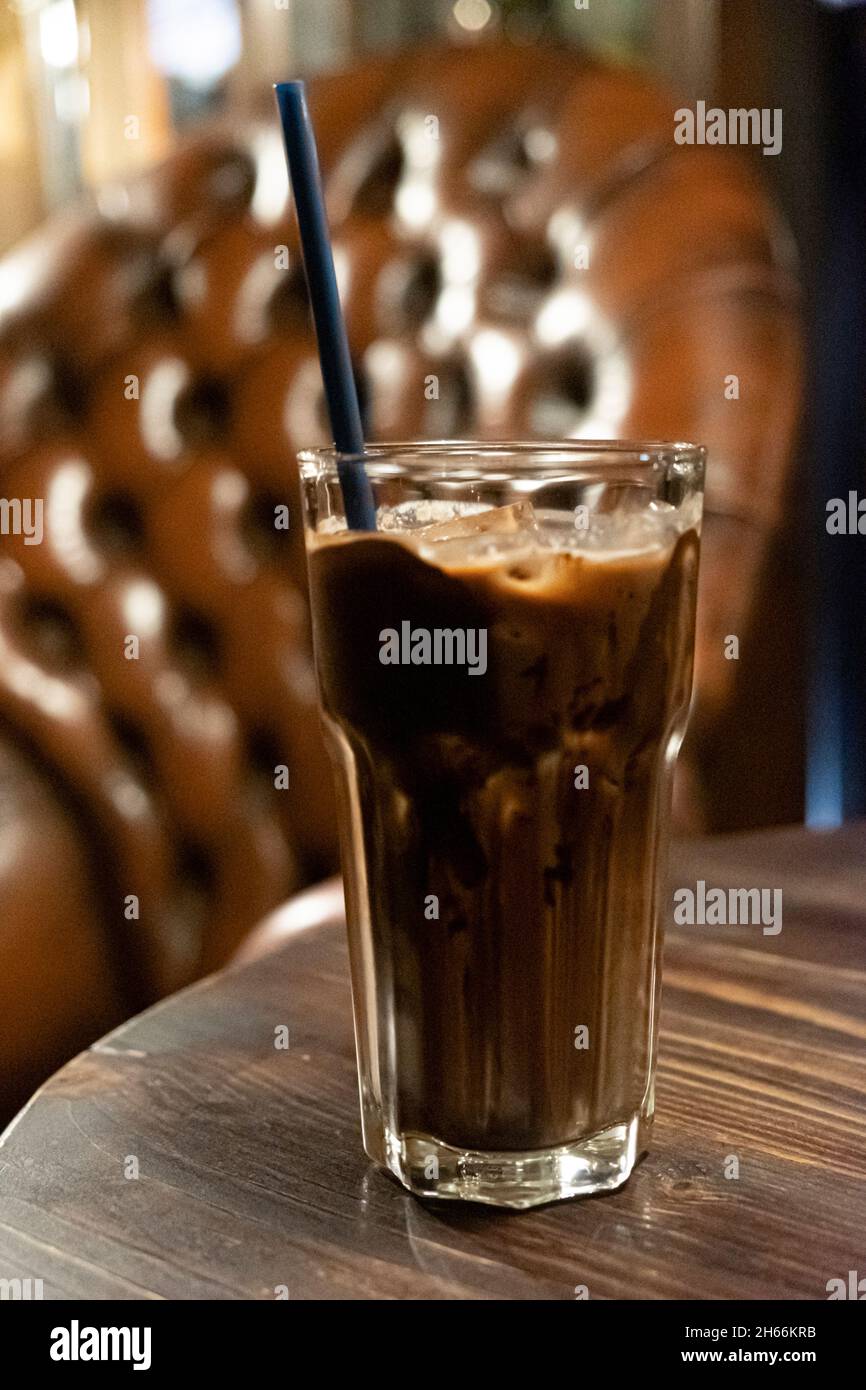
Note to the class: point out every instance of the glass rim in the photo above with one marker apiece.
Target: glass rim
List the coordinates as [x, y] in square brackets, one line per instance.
[326, 460]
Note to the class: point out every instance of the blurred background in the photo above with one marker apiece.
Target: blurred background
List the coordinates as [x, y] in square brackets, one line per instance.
[157, 374]
[72, 70]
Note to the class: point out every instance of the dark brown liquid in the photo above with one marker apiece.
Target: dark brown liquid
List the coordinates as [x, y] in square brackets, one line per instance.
[463, 787]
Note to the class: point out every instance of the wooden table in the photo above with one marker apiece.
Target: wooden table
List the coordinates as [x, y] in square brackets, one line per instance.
[186, 1157]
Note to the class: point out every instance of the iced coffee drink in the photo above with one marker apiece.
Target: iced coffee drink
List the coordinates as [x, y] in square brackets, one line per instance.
[505, 668]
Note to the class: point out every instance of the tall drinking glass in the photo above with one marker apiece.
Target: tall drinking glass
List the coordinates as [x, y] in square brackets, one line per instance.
[504, 669]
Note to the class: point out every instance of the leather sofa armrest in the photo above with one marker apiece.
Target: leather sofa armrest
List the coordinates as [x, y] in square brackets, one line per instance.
[319, 906]
[58, 981]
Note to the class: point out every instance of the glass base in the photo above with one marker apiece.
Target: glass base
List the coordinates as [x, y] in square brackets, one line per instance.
[599, 1163]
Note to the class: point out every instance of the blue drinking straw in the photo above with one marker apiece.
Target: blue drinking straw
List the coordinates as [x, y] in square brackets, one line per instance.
[340, 393]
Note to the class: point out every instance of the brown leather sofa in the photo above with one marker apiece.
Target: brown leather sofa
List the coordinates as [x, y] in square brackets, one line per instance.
[524, 250]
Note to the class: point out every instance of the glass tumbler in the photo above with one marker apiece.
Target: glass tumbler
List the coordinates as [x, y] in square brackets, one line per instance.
[504, 668]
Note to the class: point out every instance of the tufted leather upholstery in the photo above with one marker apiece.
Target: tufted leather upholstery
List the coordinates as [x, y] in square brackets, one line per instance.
[158, 374]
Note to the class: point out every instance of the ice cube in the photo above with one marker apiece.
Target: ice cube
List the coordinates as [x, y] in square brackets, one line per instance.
[609, 534]
[516, 517]
[423, 512]
[480, 536]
